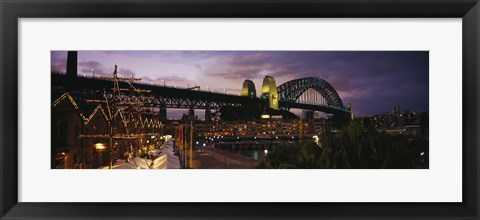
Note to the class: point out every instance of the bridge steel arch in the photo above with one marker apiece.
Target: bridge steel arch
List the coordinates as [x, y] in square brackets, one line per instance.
[291, 91]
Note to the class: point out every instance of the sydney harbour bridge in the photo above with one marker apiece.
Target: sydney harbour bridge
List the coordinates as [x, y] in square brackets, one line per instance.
[310, 93]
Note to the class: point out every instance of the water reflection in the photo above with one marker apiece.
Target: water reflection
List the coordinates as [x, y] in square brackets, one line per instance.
[254, 154]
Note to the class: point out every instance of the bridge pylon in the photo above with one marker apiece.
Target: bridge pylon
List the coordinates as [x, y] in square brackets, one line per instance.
[208, 114]
[162, 113]
[270, 92]
[191, 114]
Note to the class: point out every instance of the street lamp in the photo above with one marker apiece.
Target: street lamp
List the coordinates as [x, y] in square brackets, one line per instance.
[64, 160]
[265, 159]
[163, 82]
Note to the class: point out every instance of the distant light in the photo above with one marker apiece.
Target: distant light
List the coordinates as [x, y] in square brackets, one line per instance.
[196, 142]
[265, 116]
[204, 144]
[265, 151]
[422, 153]
[152, 136]
[63, 153]
[100, 146]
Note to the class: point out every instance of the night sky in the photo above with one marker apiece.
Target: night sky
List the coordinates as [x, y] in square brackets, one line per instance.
[372, 81]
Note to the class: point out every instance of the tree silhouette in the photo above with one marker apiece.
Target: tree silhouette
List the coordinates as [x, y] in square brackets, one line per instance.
[355, 146]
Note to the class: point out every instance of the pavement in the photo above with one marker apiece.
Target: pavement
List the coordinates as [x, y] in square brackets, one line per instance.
[206, 158]
[165, 160]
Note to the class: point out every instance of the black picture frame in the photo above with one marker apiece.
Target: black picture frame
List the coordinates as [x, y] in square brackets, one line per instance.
[12, 10]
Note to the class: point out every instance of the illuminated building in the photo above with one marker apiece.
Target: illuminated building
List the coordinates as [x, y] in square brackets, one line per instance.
[248, 89]
[269, 91]
[271, 127]
[77, 128]
[396, 110]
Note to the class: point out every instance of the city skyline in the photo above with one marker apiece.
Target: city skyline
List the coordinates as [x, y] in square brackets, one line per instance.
[372, 81]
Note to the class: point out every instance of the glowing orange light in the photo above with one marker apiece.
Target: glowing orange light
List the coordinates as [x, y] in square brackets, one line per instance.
[100, 146]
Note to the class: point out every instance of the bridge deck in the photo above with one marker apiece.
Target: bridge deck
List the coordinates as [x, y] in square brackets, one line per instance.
[172, 97]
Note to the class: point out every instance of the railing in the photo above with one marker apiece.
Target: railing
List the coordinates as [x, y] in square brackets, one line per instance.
[315, 104]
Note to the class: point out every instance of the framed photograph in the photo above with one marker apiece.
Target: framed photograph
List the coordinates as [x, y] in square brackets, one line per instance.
[209, 109]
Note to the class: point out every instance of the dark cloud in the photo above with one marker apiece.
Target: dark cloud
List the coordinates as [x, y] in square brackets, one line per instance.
[237, 74]
[168, 80]
[87, 67]
[90, 64]
[256, 59]
[173, 78]
[59, 65]
[126, 72]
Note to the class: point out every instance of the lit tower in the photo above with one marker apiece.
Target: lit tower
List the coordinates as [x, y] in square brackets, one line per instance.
[248, 89]
[350, 109]
[269, 91]
[396, 110]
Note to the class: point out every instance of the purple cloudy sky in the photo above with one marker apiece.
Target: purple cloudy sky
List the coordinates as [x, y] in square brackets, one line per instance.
[372, 81]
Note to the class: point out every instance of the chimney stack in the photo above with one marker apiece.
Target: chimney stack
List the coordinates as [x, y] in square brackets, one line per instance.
[72, 64]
